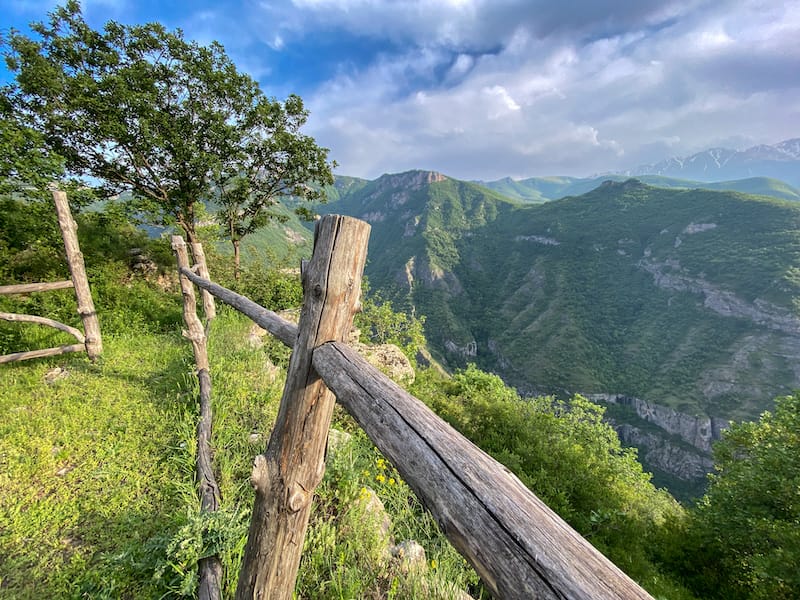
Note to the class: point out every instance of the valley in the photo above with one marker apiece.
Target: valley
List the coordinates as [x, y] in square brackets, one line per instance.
[677, 299]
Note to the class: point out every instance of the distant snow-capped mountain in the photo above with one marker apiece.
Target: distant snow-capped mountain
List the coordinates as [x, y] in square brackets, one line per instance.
[781, 161]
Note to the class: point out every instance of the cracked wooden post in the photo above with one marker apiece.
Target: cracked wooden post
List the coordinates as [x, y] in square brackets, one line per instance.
[209, 308]
[77, 270]
[285, 476]
[209, 567]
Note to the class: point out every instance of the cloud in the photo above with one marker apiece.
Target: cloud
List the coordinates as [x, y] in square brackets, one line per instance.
[560, 89]
[488, 88]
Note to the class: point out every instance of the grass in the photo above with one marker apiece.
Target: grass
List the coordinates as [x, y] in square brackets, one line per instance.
[97, 495]
[93, 469]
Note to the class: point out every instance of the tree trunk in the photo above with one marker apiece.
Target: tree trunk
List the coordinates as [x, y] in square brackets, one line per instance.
[286, 475]
[236, 257]
[209, 309]
[210, 567]
[186, 221]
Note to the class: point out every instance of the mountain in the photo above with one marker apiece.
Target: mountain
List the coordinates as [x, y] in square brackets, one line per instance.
[541, 189]
[676, 306]
[781, 161]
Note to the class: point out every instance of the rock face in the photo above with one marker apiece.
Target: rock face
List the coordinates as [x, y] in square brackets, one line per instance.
[699, 431]
[388, 358]
[430, 275]
[689, 457]
[659, 453]
[668, 275]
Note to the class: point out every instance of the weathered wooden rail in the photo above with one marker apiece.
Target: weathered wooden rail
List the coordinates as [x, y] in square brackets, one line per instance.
[519, 547]
[90, 341]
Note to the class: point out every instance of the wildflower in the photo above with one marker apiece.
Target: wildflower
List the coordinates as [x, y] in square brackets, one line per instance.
[392, 481]
[434, 564]
[380, 478]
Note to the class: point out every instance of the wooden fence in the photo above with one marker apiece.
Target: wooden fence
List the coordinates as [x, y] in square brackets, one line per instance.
[89, 340]
[519, 547]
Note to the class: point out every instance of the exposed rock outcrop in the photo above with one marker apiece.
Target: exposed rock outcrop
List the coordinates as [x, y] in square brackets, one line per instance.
[387, 358]
[539, 239]
[668, 275]
[657, 452]
[688, 457]
[431, 275]
[467, 351]
[699, 431]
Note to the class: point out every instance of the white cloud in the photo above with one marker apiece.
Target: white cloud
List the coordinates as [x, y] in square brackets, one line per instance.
[485, 88]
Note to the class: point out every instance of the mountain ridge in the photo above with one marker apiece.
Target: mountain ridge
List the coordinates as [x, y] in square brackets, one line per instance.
[543, 189]
[683, 298]
[780, 161]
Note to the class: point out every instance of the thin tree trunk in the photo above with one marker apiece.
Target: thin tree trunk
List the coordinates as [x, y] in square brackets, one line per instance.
[209, 309]
[236, 257]
[210, 568]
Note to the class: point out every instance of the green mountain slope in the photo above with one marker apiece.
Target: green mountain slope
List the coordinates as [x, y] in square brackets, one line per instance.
[677, 305]
[685, 298]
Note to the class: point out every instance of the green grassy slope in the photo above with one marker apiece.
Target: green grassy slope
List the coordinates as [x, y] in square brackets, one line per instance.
[97, 494]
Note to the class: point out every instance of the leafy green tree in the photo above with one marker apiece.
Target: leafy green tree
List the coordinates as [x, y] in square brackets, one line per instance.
[144, 110]
[279, 162]
[745, 535]
[31, 246]
[380, 323]
[25, 164]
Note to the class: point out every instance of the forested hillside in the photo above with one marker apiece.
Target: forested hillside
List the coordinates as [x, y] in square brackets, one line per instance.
[681, 298]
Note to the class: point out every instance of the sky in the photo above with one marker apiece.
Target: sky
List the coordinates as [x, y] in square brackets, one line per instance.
[484, 89]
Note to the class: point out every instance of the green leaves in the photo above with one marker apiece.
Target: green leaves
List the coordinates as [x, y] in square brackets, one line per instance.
[174, 122]
[750, 517]
[564, 452]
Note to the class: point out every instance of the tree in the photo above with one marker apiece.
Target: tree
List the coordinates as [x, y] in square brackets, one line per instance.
[747, 527]
[278, 161]
[31, 245]
[144, 110]
[25, 163]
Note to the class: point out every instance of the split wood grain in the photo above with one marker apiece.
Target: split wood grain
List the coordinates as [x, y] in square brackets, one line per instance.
[285, 476]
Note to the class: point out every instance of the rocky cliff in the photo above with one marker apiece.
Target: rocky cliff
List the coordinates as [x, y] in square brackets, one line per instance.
[682, 447]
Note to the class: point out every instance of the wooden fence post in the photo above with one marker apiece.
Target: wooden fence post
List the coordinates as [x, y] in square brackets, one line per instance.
[210, 568]
[209, 309]
[285, 476]
[91, 326]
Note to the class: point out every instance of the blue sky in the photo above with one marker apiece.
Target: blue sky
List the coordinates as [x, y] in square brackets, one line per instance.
[482, 89]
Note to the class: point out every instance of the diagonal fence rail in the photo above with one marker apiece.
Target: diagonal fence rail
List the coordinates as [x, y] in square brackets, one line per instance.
[519, 547]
